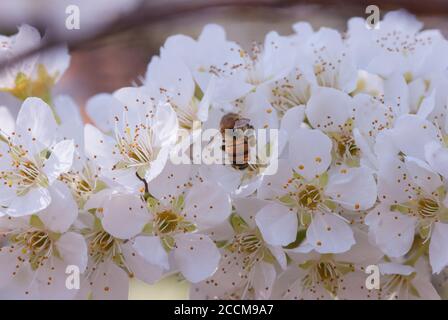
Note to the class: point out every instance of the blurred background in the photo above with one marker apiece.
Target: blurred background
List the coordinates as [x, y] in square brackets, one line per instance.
[117, 38]
[131, 31]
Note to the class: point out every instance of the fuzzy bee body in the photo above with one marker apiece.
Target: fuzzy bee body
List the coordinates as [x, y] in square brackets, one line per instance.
[238, 137]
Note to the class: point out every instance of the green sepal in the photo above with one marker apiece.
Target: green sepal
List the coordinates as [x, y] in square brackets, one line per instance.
[36, 222]
[301, 235]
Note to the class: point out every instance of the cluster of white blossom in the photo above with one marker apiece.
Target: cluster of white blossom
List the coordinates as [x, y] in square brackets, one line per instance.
[361, 176]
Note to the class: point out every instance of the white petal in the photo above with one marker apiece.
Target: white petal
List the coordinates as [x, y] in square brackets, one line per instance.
[396, 91]
[171, 74]
[35, 120]
[7, 123]
[263, 280]
[165, 125]
[99, 147]
[279, 255]
[427, 106]
[62, 211]
[8, 262]
[278, 224]
[438, 250]
[437, 157]
[422, 174]
[293, 119]
[170, 182]
[124, 216]
[395, 268]
[411, 133]
[329, 109]
[392, 232]
[157, 165]
[35, 200]
[353, 188]
[392, 188]
[310, 152]
[247, 208]
[60, 160]
[210, 210]
[140, 268]
[101, 108]
[329, 234]
[111, 283]
[73, 250]
[363, 252]
[277, 185]
[71, 119]
[196, 256]
[151, 249]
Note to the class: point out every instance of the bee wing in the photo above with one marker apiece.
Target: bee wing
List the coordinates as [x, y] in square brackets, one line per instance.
[242, 122]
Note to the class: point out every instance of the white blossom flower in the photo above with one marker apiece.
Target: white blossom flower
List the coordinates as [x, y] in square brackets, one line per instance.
[413, 201]
[213, 60]
[111, 228]
[172, 81]
[398, 46]
[399, 281]
[246, 158]
[329, 276]
[31, 159]
[180, 216]
[143, 136]
[35, 76]
[249, 256]
[39, 248]
[318, 193]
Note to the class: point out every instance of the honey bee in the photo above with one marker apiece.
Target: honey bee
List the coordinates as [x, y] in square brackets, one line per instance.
[238, 137]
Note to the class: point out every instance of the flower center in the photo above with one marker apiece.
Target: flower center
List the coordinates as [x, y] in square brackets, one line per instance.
[37, 244]
[39, 87]
[102, 245]
[248, 243]
[427, 208]
[136, 149]
[187, 116]
[345, 146]
[167, 222]
[398, 286]
[326, 273]
[25, 174]
[309, 197]
[251, 246]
